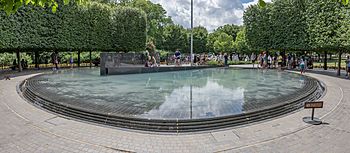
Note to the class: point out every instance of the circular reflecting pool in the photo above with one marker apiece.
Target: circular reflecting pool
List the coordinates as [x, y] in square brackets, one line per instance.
[192, 94]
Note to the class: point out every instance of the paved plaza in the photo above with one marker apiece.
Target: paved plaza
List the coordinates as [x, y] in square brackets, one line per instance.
[26, 128]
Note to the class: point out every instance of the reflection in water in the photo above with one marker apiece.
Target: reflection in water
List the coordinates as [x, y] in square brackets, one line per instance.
[170, 95]
[208, 101]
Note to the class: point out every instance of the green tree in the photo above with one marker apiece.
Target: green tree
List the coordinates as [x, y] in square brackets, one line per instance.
[328, 23]
[224, 43]
[212, 37]
[229, 29]
[156, 19]
[258, 27]
[288, 28]
[11, 6]
[241, 43]
[93, 26]
[200, 38]
[175, 37]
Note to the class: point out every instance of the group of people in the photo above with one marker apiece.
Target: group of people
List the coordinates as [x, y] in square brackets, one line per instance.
[151, 59]
[347, 61]
[289, 61]
[24, 64]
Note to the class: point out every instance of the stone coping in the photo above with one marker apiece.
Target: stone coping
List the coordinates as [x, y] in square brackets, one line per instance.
[32, 92]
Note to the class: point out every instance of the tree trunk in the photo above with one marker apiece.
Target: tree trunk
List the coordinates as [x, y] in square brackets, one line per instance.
[90, 60]
[18, 54]
[339, 63]
[36, 59]
[325, 60]
[78, 58]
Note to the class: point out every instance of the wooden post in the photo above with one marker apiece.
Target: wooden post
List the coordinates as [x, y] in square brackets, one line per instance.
[19, 61]
[325, 60]
[339, 63]
[90, 60]
[78, 58]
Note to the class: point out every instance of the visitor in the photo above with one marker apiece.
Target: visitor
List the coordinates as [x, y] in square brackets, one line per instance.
[246, 58]
[54, 57]
[269, 61]
[14, 65]
[265, 60]
[259, 60]
[71, 61]
[348, 66]
[274, 60]
[26, 64]
[22, 63]
[279, 61]
[253, 58]
[177, 57]
[198, 60]
[302, 66]
[195, 59]
[148, 59]
[226, 59]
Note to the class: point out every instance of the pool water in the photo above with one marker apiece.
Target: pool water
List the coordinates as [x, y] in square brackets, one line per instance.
[191, 94]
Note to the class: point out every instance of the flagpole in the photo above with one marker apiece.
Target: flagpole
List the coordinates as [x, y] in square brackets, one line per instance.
[191, 33]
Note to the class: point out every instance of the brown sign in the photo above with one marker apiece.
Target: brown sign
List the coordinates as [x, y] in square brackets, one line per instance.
[317, 104]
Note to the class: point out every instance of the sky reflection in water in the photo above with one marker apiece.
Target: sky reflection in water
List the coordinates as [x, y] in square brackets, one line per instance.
[215, 92]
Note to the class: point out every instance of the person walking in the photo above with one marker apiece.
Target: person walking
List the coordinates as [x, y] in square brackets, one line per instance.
[71, 61]
[269, 58]
[348, 67]
[54, 57]
[302, 66]
[279, 61]
[177, 57]
[253, 58]
[226, 59]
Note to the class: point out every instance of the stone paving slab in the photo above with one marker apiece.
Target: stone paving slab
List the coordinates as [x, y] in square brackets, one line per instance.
[25, 128]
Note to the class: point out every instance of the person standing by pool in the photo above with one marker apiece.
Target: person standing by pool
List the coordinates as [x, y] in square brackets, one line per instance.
[71, 61]
[177, 57]
[259, 60]
[252, 58]
[226, 59]
[279, 61]
[302, 66]
[269, 58]
[54, 57]
[348, 67]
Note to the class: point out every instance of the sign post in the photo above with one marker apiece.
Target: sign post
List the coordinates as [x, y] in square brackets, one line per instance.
[312, 119]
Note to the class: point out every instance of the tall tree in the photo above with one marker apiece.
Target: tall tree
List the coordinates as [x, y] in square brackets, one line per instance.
[224, 43]
[200, 37]
[258, 27]
[11, 6]
[241, 42]
[156, 19]
[175, 37]
[212, 37]
[229, 29]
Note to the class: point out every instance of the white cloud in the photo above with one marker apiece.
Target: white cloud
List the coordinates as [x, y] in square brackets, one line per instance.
[208, 13]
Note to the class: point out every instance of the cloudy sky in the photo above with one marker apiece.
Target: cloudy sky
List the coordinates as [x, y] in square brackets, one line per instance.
[207, 13]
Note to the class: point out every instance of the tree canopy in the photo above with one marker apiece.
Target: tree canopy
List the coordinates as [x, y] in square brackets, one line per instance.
[93, 26]
[298, 25]
[156, 18]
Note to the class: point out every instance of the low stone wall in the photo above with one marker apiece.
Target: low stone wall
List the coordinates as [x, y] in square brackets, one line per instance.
[133, 63]
[140, 69]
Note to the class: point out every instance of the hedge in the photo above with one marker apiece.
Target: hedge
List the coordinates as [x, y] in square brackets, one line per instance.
[93, 26]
